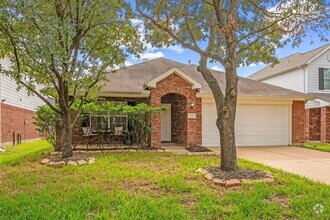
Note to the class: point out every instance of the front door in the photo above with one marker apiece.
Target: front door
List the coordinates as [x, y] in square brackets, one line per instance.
[166, 123]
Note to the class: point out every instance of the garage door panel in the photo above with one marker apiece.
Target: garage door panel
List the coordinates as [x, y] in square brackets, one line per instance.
[256, 125]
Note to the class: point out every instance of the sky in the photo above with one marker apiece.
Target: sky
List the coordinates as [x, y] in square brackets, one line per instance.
[182, 55]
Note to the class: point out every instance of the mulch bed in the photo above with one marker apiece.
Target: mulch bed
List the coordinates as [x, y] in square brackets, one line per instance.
[197, 148]
[240, 173]
[75, 158]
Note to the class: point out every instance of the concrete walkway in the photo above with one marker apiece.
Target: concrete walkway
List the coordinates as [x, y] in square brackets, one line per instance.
[309, 163]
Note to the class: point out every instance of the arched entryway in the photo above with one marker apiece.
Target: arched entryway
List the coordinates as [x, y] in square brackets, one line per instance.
[186, 128]
[174, 119]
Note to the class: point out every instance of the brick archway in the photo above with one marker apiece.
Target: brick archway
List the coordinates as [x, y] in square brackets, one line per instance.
[174, 84]
[178, 117]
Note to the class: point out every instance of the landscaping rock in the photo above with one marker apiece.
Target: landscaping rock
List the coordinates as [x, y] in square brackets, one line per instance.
[233, 183]
[160, 150]
[59, 164]
[91, 161]
[209, 176]
[45, 161]
[72, 162]
[2, 150]
[268, 180]
[201, 170]
[219, 182]
[269, 176]
[81, 162]
[50, 164]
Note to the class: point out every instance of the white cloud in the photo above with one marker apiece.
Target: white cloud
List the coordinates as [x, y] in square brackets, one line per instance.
[151, 56]
[176, 48]
[136, 21]
[217, 68]
[128, 63]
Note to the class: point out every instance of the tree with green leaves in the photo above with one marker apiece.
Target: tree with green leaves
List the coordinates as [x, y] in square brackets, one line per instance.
[232, 33]
[68, 46]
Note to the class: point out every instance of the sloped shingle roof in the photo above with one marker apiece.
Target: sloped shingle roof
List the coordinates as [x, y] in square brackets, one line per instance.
[322, 96]
[288, 63]
[132, 79]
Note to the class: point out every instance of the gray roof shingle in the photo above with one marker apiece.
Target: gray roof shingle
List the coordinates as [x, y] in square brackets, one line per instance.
[132, 79]
[322, 96]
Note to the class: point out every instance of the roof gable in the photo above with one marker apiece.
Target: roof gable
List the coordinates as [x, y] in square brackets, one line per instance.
[292, 62]
[152, 83]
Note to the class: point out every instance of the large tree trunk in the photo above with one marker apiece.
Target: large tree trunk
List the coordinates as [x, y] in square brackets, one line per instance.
[66, 135]
[58, 136]
[226, 121]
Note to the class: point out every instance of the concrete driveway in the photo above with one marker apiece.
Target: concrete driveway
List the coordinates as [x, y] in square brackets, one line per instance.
[310, 163]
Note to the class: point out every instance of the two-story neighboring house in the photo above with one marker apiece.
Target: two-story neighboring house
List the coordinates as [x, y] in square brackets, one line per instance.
[308, 73]
[17, 111]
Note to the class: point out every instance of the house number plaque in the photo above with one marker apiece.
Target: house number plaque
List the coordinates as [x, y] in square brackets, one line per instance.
[191, 115]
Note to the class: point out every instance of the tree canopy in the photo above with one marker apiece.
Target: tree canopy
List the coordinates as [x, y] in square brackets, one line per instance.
[68, 46]
[232, 33]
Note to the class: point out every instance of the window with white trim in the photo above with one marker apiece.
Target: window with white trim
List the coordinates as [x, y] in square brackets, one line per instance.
[109, 121]
[326, 72]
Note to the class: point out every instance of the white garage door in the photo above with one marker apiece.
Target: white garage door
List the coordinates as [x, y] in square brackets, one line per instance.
[256, 125]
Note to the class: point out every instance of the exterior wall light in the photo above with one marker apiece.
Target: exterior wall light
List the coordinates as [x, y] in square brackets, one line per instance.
[192, 104]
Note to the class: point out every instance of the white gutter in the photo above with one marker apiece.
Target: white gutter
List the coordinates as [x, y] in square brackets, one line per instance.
[305, 80]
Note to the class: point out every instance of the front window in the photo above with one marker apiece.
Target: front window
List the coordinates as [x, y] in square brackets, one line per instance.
[326, 78]
[99, 122]
[109, 121]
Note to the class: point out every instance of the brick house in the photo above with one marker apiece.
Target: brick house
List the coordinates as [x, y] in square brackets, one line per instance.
[266, 115]
[308, 73]
[17, 112]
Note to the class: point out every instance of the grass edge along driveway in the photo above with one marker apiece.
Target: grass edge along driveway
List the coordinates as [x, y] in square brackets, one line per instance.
[317, 146]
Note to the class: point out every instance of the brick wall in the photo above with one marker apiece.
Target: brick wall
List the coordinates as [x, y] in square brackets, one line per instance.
[174, 84]
[298, 122]
[312, 124]
[12, 120]
[325, 125]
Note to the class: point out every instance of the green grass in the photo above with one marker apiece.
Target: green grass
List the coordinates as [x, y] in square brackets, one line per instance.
[19, 153]
[146, 186]
[317, 146]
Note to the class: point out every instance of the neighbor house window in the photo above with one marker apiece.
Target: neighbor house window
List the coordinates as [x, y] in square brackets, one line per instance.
[324, 78]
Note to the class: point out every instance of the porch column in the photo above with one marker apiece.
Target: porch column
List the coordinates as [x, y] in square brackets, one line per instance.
[194, 121]
[298, 122]
[155, 136]
[325, 124]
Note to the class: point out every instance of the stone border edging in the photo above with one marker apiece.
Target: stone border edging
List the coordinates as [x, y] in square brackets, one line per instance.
[62, 163]
[233, 182]
[58, 153]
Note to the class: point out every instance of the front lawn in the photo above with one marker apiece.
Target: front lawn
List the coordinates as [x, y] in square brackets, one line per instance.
[147, 186]
[317, 146]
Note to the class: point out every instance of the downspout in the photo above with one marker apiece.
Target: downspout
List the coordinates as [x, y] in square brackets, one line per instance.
[305, 81]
